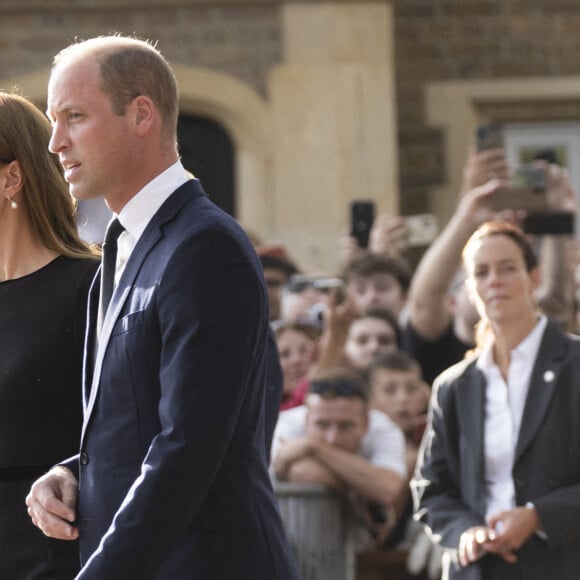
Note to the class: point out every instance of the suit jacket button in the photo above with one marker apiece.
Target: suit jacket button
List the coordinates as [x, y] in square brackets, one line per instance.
[84, 458]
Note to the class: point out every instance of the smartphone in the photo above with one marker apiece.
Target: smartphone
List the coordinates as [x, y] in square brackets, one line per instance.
[422, 229]
[362, 216]
[514, 197]
[549, 223]
[489, 136]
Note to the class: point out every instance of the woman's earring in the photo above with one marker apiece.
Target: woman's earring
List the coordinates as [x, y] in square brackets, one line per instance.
[13, 204]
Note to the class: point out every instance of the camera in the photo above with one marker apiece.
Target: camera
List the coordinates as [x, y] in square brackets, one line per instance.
[422, 229]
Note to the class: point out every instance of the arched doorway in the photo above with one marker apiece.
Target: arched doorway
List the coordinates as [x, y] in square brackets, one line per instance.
[208, 152]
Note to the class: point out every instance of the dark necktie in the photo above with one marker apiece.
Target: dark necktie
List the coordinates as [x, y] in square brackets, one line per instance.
[109, 260]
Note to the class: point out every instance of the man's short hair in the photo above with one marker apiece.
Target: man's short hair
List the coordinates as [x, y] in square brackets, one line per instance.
[339, 383]
[369, 264]
[283, 265]
[396, 360]
[382, 314]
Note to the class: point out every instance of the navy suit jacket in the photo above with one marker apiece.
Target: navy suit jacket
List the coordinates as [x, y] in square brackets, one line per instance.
[449, 484]
[173, 479]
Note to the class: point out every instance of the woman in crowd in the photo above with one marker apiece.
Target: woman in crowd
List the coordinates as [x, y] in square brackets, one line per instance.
[498, 475]
[45, 272]
[297, 346]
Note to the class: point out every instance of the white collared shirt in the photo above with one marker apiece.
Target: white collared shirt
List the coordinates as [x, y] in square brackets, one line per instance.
[140, 209]
[504, 407]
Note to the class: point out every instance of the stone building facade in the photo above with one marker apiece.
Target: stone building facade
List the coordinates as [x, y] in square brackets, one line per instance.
[330, 100]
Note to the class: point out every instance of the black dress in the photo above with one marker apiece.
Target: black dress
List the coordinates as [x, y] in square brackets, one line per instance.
[42, 322]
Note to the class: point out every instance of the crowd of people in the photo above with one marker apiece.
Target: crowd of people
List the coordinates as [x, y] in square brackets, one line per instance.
[363, 351]
[149, 405]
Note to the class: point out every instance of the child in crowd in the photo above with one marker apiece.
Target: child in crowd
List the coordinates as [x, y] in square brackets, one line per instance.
[298, 348]
[372, 333]
[398, 390]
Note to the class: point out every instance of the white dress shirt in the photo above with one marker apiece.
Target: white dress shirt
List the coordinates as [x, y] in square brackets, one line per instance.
[504, 407]
[137, 213]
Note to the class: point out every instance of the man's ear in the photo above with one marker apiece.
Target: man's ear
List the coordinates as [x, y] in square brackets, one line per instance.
[144, 112]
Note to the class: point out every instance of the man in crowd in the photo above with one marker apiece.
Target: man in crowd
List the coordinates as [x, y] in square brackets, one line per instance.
[335, 440]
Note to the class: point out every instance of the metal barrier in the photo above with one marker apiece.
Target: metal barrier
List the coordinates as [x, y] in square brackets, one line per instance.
[318, 522]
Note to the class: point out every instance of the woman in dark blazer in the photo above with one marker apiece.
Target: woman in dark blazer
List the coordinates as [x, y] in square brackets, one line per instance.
[45, 272]
[498, 477]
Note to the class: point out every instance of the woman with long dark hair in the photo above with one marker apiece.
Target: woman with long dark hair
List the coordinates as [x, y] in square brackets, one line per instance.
[45, 272]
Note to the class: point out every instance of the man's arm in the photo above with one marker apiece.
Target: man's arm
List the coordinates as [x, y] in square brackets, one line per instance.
[288, 452]
[338, 317]
[310, 470]
[294, 460]
[428, 304]
[373, 483]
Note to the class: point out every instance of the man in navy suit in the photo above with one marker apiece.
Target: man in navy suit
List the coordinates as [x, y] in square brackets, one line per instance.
[171, 480]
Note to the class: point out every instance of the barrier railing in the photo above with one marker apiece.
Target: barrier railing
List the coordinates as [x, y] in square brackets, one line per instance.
[318, 522]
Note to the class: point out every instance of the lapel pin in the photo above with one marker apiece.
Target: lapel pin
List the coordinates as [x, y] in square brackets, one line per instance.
[549, 376]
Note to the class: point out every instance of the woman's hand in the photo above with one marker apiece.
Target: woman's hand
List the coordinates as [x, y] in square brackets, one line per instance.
[512, 529]
[472, 544]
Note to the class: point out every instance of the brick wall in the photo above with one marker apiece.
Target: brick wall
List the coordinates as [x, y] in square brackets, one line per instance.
[434, 40]
[439, 40]
[241, 40]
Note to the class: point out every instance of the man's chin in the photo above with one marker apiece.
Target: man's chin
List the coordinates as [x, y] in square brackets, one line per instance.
[80, 194]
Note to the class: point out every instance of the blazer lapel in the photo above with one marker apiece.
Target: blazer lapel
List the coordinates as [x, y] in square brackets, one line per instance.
[152, 234]
[544, 379]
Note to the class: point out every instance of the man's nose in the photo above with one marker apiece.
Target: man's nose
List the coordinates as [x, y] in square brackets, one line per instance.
[58, 140]
[332, 436]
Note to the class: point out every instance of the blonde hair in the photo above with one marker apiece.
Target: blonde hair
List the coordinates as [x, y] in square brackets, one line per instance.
[24, 136]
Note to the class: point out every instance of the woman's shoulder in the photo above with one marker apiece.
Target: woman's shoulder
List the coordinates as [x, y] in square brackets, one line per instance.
[73, 273]
[458, 372]
[77, 266]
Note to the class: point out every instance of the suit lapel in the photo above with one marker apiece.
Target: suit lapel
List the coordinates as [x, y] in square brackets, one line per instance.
[543, 381]
[90, 338]
[151, 236]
